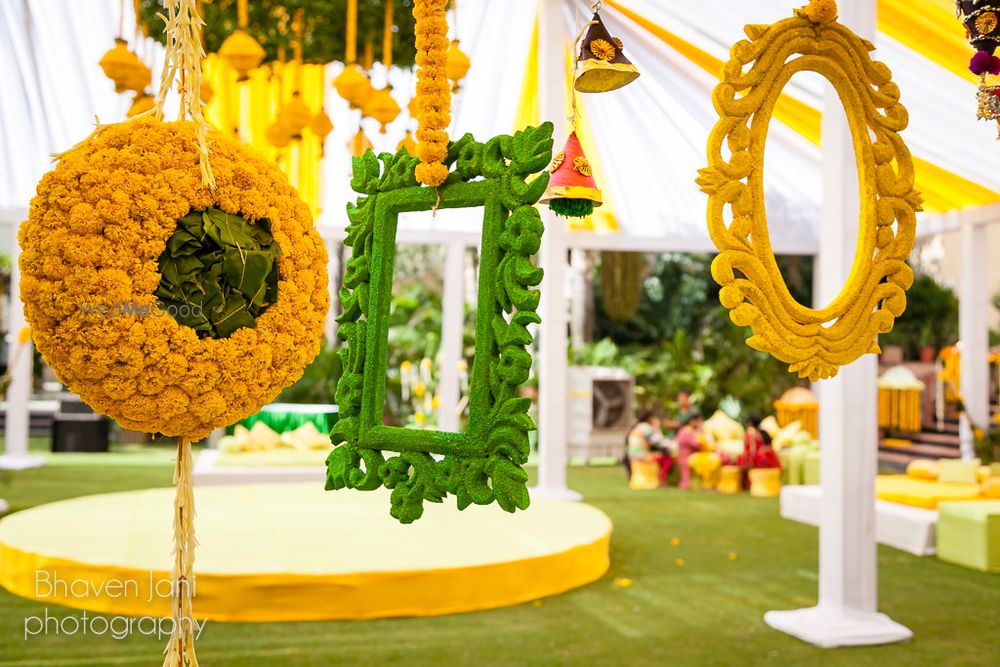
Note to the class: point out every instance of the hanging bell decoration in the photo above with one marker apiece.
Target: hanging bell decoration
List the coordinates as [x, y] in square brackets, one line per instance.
[359, 144]
[139, 77]
[409, 143]
[294, 115]
[601, 66]
[353, 85]
[120, 65]
[320, 125]
[242, 53]
[141, 103]
[982, 29]
[457, 65]
[278, 135]
[382, 107]
[572, 191]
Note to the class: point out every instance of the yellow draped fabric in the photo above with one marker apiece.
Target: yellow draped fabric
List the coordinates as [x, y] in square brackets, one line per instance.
[942, 190]
[929, 28]
[247, 109]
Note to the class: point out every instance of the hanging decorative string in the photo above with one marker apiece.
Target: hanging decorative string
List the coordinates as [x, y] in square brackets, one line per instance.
[433, 91]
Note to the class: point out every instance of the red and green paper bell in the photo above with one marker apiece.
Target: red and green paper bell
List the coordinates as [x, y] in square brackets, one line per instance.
[601, 66]
[572, 191]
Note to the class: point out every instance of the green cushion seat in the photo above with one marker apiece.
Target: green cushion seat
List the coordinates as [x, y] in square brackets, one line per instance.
[968, 534]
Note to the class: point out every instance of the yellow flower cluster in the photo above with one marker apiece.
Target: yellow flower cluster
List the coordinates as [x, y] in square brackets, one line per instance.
[97, 226]
[820, 11]
[433, 90]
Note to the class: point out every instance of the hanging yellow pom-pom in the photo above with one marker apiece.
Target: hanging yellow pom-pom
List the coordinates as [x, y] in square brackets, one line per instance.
[359, 143]
[457, 64]
[412, 107]
[409, 143]
[140, 104]
[819, 11]
[294, 115]
[353, 85]
[139, 77]
[242, 53]
[382, 107]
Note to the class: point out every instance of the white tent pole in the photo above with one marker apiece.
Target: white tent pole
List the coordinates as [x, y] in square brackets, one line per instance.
[846, 613]
[974, 334]
[553, 338]
[19, 367]
[452, 319]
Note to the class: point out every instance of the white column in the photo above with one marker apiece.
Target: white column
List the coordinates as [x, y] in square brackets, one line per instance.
[846, 613]
[19, 366]
[552, 454]
[452, 321]
[974, 334]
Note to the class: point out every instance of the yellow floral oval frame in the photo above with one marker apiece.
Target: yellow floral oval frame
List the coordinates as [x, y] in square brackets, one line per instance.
[96, 228]
[814, 342]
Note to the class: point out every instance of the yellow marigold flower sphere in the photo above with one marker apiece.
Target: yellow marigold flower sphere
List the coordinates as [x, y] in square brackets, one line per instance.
[97, 226]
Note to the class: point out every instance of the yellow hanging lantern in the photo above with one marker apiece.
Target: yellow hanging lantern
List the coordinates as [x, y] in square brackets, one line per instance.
[382, 107]
[119, 64]
[456, 65]
[278, 135]
[353, 85]
[798, 404]
[409, 143]
[359, 143]
[206, 91]
[140, 104]
[242, 53]
[139, 77]
[320, 125]
[412, 107]
[294, 115]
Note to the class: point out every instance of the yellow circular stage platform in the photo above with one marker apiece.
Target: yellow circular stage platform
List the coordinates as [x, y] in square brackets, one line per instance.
[294, 552]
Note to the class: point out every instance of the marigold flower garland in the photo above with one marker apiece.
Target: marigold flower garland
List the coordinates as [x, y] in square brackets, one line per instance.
[433, 90]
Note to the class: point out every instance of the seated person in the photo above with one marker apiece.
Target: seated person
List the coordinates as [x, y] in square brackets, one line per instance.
[690, 455]
[766, 457]
[752, 442]
[646, 443]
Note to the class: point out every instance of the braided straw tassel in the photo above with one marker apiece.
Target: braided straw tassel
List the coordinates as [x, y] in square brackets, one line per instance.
[180, 647]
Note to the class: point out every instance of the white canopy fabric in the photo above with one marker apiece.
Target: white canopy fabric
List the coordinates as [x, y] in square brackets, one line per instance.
[649, 137]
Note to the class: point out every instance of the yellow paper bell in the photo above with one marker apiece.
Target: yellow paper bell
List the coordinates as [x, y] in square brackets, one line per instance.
[206, 91]
[409, 143]
[294, 115]
[457, 64]
[242, 53]
[320, 125]
[119, 64]
[382, 107]
[601, 65]
[353, 85]
[412, 107]
[278, 135]
[140, 104]
[359, 143]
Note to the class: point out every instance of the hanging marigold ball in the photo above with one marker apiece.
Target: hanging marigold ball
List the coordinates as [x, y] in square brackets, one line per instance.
[457, 64]
[359, 144]
[382, 107]
[139, 77]
[140, 104]
[409, 143]
[119, 64]
[294, 115]
[242, 53]
[820, 11]
[412, 106]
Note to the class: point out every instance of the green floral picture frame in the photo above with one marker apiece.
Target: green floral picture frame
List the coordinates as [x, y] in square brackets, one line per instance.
[484, 464]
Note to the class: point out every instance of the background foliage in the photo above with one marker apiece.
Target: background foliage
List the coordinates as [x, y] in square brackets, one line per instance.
[931, 318]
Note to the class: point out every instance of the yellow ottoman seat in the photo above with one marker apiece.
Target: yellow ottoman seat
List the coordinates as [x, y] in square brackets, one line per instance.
[765, 482]
[729, 479]
[905, 490]
[968, 534]
[706, 465]
[645, 475]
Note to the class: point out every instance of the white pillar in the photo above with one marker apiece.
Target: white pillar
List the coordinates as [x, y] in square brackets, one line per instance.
[846, 613]
[974, 334]
[19, 366]
[553, 339]
[452, 322]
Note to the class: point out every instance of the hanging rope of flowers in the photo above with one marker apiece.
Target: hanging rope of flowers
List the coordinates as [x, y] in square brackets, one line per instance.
[433, 90]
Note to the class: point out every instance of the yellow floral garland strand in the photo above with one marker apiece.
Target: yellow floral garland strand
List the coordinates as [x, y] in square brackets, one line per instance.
[180, 648]
[433, 90]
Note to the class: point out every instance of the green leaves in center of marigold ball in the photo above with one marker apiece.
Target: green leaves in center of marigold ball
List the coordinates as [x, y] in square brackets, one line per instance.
[219, 272]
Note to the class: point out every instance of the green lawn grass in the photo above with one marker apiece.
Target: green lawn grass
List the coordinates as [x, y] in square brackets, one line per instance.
[705, 612]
